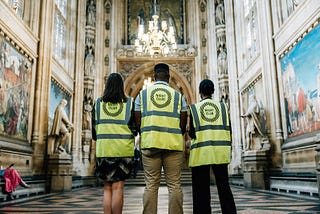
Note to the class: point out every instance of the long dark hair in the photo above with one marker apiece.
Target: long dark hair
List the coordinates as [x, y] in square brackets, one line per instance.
[113, 91]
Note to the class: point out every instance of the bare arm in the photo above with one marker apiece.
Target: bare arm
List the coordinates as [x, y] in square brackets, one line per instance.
[137, 115]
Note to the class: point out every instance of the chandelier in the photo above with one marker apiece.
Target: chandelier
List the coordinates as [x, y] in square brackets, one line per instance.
[155, 41]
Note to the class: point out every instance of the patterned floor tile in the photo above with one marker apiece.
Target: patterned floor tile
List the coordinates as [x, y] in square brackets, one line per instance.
[89, 201]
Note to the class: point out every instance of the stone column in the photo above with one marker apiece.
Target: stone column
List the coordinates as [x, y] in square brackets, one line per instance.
[42, 86]
[59, 172]
[255, 168]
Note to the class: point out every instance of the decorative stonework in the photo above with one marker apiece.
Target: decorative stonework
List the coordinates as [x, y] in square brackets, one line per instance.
[312, 26]
[14, 44]
[203, 5]
[61, 86]
[135, 71]
[222, 53]
[107, 6]
[251, 84]
[182, 51]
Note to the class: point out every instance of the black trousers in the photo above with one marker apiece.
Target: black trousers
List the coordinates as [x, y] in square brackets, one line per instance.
[201, 189]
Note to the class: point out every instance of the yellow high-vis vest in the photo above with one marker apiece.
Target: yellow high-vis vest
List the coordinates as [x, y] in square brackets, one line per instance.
[213, 138]
[114, 138]
[160, 118]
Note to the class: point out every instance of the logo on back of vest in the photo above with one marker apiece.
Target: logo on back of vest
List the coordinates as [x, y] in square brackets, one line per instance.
[160, 97]
[112, 109]
[209, 112]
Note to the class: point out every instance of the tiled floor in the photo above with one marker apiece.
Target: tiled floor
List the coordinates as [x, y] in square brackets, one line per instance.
[89, 200]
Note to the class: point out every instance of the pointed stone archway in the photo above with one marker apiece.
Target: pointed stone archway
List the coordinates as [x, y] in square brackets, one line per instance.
[136, 71]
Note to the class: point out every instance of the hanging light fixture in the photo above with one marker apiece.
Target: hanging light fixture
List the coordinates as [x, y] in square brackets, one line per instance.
[156, 42]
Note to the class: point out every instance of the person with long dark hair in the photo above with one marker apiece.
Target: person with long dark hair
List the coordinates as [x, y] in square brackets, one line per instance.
[113, 130]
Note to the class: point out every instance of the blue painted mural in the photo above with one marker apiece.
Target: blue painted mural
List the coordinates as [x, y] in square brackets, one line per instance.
[301, 84]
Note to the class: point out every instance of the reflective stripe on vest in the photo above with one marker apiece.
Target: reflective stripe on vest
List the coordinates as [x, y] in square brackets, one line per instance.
[213, 141]
[160, 118]
[114, 138]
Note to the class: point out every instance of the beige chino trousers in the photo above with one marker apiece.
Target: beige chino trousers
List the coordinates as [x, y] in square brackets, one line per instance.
[154, 160]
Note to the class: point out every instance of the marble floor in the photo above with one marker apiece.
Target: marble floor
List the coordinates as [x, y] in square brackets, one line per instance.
[89, 200]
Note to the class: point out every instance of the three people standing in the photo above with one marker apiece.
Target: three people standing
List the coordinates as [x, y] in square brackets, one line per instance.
[160, 116]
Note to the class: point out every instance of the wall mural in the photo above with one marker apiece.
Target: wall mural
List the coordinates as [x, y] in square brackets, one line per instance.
[140, 12]
[56, 95]
[301, 85]
[15, 83]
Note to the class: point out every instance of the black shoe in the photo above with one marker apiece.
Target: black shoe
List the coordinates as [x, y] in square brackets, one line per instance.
[10, 196]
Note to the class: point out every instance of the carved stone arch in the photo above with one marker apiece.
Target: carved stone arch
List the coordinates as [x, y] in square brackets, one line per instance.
[135, 80]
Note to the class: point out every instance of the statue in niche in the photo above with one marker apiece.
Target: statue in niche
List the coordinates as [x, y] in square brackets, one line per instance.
[220, 13]
[204, 41]
[106, 60]
[221, 40]
[255, 122]
[61, 128]
[222, 62]
[89, 64]
[202, 6]
[204, 59]
[107, 25]
[91, 13]
[107, 6]
[203, 24]
[87, 109]
[106, 42]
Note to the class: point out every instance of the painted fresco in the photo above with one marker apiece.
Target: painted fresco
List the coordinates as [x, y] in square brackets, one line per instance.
[301, 85]
[15, 86]
[140, 11]
[56, 95]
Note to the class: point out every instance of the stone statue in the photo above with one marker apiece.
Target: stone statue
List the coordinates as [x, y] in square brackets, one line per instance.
[61, 127]
[91, 13]
[89, 67]
[254, 126]
[87, 109]
[219, 13]
[222, 62]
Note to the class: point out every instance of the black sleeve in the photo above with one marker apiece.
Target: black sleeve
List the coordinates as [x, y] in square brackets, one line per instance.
[93, 123]
[192, 132]
[132, 122]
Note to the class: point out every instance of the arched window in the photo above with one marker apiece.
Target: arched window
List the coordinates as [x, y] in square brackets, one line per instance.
[59, 35]
[250, 20]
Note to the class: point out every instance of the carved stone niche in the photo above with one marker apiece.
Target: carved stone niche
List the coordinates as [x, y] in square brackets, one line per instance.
[107, 6]
[182, 74]
[203, 5]
[203, 24]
